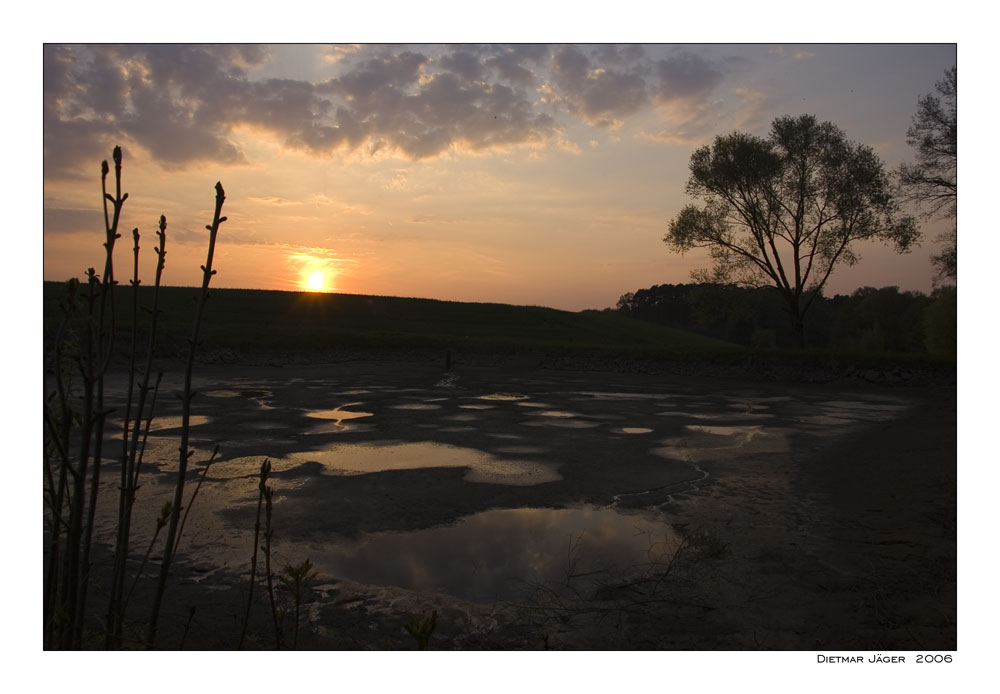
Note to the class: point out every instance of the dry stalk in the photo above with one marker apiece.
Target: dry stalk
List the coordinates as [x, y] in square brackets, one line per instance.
[187, 396]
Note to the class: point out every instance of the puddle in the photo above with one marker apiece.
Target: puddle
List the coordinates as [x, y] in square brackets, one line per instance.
[226, 393]
[165, 423]
[744, 433]
[842, 413]
[338, 414]
[417, 406]
[533, 404]
[367, 458]
[505, 554]
[863, 410]
[504, 397]
[265, 425]
[717, 443]
[596, 395]
[477, 407]
[161, 423]
[558, 413]
[522, 450]
[562, 423]
[255, 395]
[634, 430]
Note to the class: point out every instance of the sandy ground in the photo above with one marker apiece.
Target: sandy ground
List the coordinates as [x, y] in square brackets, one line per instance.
[792, 516]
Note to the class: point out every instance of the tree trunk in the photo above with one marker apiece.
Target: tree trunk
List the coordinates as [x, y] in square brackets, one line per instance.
[798, 325]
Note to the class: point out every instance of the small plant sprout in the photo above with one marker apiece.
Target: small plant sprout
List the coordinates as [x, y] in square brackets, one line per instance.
[421, 631]
[295, 579]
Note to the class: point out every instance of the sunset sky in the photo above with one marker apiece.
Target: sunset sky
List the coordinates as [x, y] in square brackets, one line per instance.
[523, 173]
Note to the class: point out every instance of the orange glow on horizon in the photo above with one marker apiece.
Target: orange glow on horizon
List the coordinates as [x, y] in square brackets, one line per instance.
[314, 279]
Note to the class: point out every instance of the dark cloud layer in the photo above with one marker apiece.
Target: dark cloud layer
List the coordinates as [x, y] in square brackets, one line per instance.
[602, 95]
[182, 102]
[684, 75]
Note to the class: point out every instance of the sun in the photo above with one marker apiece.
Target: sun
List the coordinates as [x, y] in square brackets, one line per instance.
[316, 282]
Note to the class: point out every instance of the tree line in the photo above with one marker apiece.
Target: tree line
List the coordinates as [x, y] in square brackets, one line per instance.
[868, 320]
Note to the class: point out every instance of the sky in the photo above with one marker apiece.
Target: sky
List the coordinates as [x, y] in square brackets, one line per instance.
[538, 174]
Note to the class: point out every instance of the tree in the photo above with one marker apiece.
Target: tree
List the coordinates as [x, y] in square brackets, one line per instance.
[785, 210]
[931, 181]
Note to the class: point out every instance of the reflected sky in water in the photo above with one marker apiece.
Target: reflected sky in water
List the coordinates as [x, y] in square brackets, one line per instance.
[371, 457]
[501, 554]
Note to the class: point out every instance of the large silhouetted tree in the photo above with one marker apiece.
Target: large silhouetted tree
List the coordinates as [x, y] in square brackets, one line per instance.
[931, 181]
[785, 210]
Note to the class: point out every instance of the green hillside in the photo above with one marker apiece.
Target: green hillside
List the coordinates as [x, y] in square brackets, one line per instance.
[250, 319]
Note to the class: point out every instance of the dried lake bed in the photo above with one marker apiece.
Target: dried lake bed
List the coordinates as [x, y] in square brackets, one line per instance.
[537, 508]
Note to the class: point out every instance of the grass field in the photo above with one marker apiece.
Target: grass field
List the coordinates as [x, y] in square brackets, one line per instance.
[250, 319]
[253, 320]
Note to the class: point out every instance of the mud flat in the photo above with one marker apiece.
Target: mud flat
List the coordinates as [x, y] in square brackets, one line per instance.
[532, 508]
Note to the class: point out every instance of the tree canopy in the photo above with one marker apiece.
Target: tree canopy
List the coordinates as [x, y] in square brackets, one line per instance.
[932, 180]
[785, 210]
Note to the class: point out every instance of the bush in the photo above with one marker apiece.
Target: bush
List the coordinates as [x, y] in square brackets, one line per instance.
[941, 323]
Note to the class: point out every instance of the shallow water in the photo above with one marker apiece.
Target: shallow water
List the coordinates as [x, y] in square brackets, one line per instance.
[504, 554]
[512, 442]
[373, 457]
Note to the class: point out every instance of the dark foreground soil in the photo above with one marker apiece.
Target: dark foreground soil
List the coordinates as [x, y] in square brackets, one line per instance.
[850, 545]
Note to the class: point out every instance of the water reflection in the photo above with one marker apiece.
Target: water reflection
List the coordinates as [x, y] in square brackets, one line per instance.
[166, 423]
[367, 458]
[338, 414]
[503, 554]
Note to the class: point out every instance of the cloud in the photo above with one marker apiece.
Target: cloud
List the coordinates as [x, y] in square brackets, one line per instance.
[601, 95]
[685, 75]
[464, 64]
[401, 103]
[628, 54]
[511, 64]
[568, 146]
[340, 52]
[685, 83]
[185, 104]
[172, 100]
[272, 200]
[752, 109]
[182, 103]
